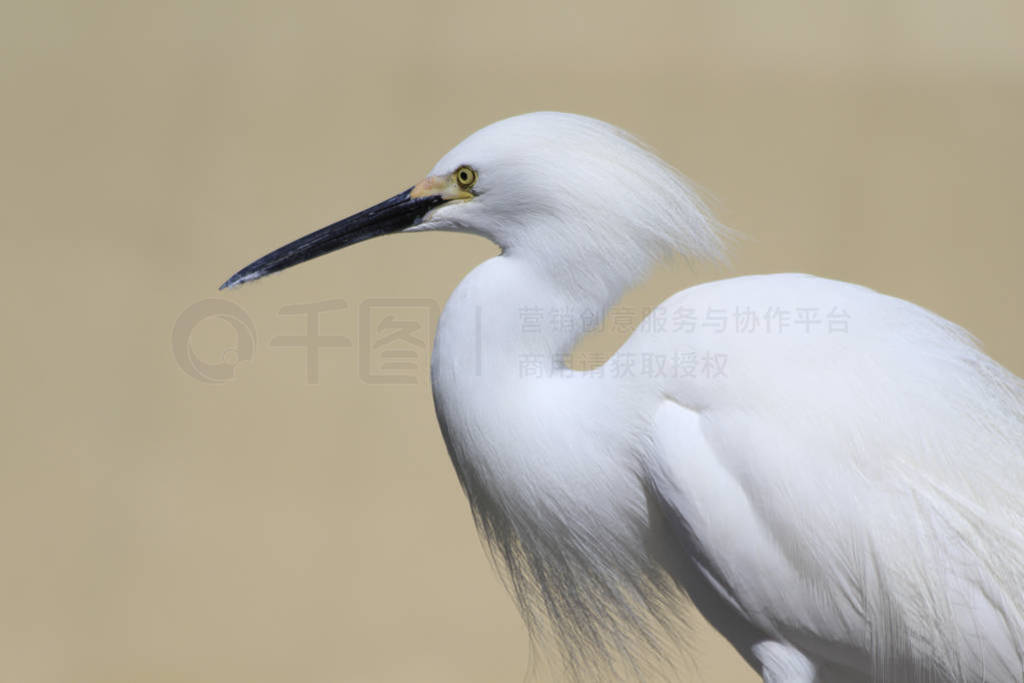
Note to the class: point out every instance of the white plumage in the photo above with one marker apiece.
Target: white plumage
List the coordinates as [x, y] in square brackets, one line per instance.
[843, 505]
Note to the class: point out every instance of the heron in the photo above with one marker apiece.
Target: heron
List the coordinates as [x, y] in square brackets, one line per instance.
[841, 505]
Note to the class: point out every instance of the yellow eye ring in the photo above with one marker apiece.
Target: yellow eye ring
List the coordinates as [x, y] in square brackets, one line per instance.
[465, 177]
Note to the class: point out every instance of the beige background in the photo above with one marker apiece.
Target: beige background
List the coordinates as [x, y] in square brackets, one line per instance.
[158, 528]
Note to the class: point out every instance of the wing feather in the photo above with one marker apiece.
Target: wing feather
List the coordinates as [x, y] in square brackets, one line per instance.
[879, 470]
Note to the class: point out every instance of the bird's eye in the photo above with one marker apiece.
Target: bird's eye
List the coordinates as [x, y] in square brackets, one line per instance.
[465, 177]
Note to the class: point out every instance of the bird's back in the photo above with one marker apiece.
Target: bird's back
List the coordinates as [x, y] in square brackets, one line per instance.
[878, 451]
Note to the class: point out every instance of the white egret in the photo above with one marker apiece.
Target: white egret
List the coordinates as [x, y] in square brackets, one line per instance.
[844, 506]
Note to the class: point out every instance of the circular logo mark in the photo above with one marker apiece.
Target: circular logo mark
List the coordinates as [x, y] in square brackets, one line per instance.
[243, 350]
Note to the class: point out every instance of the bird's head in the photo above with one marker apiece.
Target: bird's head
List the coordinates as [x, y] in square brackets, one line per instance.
[572, 194]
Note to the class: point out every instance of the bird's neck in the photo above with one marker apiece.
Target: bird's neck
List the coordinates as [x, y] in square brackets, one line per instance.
[507, 403]
[509, 319]
[545, 455]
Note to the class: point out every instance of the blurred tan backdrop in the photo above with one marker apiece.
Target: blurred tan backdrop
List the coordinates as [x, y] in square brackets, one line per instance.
[156, 527]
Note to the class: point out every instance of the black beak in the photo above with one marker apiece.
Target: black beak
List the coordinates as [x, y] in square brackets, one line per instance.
[400, 212]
